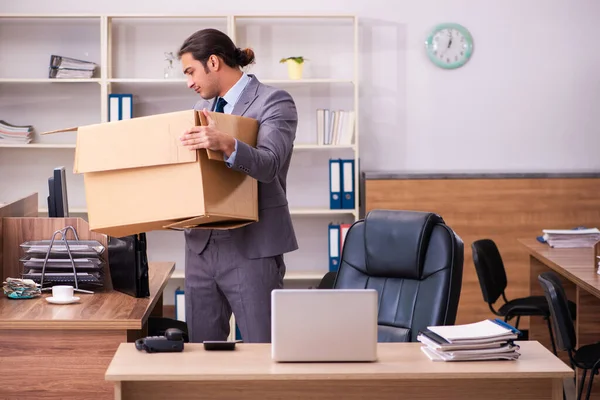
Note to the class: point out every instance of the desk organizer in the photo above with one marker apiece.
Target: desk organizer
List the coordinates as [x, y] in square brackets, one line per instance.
[61, 261]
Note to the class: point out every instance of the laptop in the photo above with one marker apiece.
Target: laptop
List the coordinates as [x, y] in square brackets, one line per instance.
[324, 325]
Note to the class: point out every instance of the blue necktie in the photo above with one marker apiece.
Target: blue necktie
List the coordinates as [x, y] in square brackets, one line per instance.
[220, 107]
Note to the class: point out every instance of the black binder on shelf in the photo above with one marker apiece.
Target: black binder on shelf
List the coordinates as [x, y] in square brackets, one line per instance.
[128, 263]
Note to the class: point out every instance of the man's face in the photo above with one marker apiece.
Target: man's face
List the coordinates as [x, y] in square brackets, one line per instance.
[202, 82]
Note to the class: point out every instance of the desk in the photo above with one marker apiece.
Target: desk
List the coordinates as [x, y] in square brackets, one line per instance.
[402, 371]
[62, 351]
[578, 274]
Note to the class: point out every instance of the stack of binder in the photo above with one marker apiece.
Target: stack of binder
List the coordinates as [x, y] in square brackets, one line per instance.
[341, 184]
[484, 340]
[70, 68]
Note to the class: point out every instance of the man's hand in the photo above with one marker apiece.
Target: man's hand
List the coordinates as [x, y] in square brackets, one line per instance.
[208, 137]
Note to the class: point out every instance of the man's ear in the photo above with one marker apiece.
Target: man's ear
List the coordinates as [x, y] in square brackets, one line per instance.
[213, 63]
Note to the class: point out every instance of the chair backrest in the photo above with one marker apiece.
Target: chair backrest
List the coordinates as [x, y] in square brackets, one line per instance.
[490, 269]
[562, 322]
[414, 261]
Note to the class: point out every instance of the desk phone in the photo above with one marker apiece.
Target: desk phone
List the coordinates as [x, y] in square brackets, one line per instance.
[171, 342]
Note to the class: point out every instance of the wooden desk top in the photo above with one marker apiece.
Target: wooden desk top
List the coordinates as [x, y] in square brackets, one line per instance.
[253, 362]
[577, 265]
[105, 310]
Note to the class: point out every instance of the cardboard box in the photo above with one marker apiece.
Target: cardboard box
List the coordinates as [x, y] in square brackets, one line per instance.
[139, 177]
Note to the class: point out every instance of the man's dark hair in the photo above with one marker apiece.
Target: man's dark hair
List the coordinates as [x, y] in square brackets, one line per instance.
[206, 42]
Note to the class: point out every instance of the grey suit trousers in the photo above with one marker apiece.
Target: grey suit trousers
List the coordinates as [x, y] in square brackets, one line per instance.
[220, 281]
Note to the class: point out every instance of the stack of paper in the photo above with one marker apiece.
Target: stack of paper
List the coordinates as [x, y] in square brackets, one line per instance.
[570, 238]
[14, 134]
[485, 340]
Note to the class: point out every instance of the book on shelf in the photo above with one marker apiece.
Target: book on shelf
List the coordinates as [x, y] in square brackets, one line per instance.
[335, 127]
[484, 340]
[14, 134]
[70, 68]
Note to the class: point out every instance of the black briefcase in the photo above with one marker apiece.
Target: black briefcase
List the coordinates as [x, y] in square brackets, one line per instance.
[128, 263]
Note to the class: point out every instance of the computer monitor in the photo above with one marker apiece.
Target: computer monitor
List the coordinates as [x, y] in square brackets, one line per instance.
[58, 205]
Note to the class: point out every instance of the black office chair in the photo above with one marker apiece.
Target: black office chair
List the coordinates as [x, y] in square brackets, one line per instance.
[327, 281]
[493, 282]
[414, 261]
[586, 357]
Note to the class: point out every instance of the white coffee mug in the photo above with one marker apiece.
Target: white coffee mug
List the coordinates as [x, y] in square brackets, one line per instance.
[62, 292]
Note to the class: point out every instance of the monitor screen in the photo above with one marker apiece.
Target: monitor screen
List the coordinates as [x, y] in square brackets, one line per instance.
[58, 206]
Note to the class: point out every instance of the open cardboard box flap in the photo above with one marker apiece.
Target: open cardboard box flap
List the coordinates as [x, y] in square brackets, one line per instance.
[214, 221]
[242, 128]
[134, 143]
[142, 142]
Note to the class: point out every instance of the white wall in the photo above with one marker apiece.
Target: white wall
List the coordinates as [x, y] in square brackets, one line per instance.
[527, 101]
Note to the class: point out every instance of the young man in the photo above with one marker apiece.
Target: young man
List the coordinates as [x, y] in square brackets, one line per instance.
[236, 270]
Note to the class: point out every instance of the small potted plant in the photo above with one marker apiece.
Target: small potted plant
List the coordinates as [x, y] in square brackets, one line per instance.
[294, 65]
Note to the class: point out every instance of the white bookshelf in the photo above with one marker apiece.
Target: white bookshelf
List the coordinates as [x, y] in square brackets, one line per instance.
[129, 49]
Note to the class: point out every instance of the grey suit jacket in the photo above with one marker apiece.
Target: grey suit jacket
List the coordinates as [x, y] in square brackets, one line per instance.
[268, 163]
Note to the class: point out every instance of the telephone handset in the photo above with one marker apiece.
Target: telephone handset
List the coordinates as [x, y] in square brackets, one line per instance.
[171, 342]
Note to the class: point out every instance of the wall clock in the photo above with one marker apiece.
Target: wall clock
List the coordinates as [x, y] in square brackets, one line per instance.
[449, 45]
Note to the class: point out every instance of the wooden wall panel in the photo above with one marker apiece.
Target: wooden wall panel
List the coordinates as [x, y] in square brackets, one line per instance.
[502, 209]
[25, 207]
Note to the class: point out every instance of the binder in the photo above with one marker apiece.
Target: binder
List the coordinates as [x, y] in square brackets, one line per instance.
[343, 231]
[347, 184]
[179, 304]
[503, 324]
[126, 106]
[120, 107]
[113, 107]
[335, 174]
[334, 247]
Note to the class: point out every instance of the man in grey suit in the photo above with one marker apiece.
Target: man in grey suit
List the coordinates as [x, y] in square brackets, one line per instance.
[236, 270]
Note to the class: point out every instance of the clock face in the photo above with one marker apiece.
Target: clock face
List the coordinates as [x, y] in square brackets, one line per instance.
[449, 46]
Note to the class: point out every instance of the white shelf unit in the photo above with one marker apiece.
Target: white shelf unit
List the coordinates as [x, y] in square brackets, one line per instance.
[129, 50]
